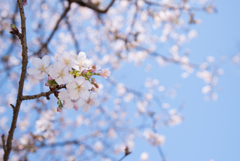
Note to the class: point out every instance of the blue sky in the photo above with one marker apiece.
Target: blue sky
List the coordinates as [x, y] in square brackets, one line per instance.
[210, 130]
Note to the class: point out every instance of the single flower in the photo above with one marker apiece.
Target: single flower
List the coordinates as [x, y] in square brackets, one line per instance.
[79, 88]
[41, 67]
[81, 62]
[60, 73]
[105, 73]
[91, 101]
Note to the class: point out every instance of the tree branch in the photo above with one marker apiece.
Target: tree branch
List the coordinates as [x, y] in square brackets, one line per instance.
[3, 143]
[44, 45]
[92, 6]
[43, 94]
[21, 81]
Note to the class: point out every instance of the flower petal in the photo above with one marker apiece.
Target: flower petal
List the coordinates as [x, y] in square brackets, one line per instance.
[84, 94]
[40, 75]
[81, 56]
[93, 95]
[63, 95]
[46, 61]
[36, 62]
[33, 71]
[80, 80]
[74, 94]
[86, 107]
[68, 104]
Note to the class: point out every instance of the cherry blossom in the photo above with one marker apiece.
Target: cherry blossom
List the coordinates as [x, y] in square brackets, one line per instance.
[91, 101]
[60, 73]
[41, 67]
[81, 62]
[105, 73]
[79, 88]
[68, 103]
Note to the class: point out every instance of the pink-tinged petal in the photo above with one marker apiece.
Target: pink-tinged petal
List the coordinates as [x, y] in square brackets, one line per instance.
[93, 96]
[33, 71]
[84, 94]
[80, 102]
[36, 62]
[40, 76]
[71, 86]
[63, 95]
[88, 63]
[74, 61]
[95, 103]
[86, 107]
[79, 80]
[76, 67]
[74, 94]
[49, 68]
[81, 56]
[76, 107]
[87, 85]
[60, 58]
[68, 78]
[46, 61]
[60, 80]
[68, 104]
[53, 73]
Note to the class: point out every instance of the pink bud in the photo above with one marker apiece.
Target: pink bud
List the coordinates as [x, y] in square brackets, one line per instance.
[46, 84]
[93, 89]
[92, 70]
[96, 85]
[89, 76]
[94, 66]
[76, 107]
[49, 78]
[59, 109]
[84, 71]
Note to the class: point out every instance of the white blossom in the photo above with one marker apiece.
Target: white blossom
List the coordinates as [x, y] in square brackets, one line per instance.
[60, 73]
[41, 67]
[79, 88]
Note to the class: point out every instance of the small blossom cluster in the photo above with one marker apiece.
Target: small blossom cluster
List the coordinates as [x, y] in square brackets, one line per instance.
[74, 74]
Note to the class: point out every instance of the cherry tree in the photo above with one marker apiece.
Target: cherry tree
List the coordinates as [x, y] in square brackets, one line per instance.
[60, 94]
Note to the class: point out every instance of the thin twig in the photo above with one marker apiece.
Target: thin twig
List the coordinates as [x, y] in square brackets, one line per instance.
[21, 81]
[43, 94]
[93, 6]
[44, 45]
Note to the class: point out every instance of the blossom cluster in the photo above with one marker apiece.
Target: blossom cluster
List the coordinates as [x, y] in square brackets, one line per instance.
[74, 74]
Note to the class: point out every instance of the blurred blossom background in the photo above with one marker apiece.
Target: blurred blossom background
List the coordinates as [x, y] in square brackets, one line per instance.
[173, 93]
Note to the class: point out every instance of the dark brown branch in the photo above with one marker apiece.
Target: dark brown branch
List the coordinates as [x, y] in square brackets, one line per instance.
[21, 81]
[92, 6]
[3, 143]
[44, 45]
[43, 94]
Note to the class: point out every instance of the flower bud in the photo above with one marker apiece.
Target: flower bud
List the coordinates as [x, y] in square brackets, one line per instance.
[49, 77]
[96, 85]
[14, 28]
[84, 71]
[46, 84]
[59, 109]
[94, 66]
[127, 152]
